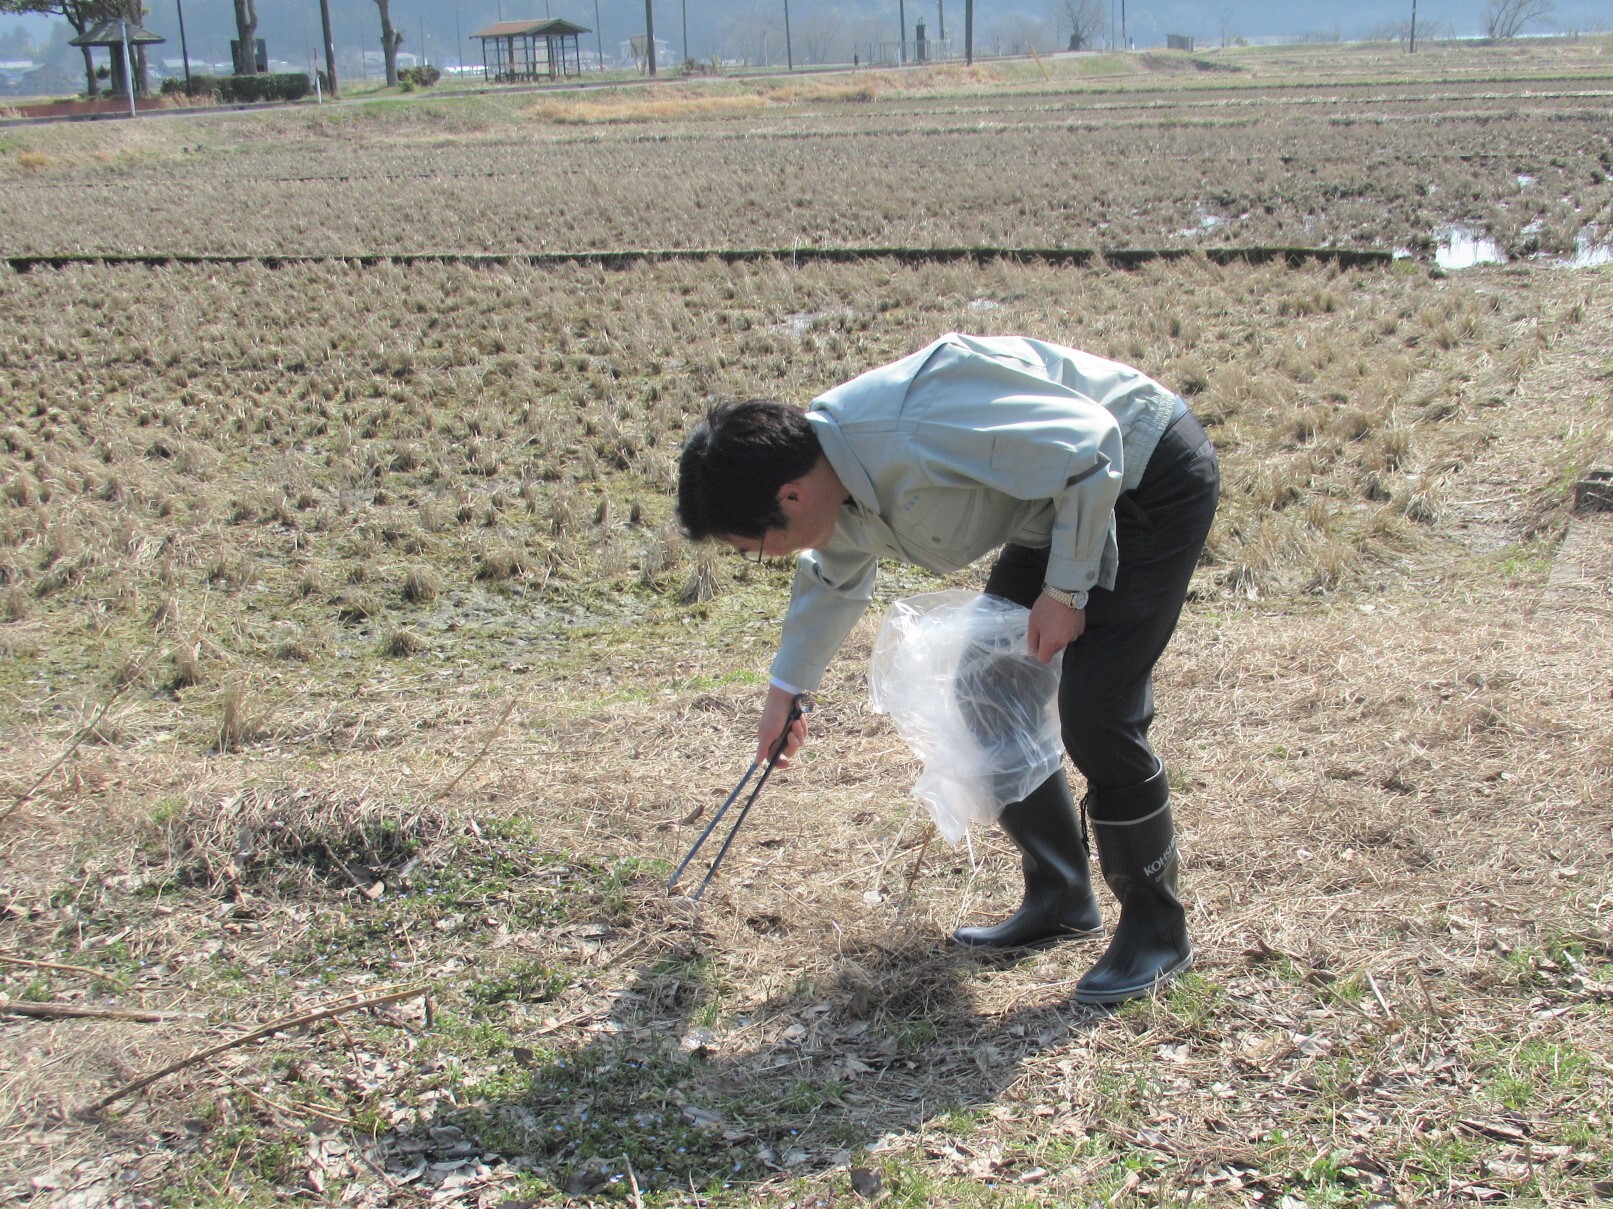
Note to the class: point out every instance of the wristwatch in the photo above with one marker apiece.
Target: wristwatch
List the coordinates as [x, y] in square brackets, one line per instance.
[1070, 600]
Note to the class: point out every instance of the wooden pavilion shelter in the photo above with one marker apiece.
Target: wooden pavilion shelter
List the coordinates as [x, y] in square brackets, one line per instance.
[125, 42]
[531, 50]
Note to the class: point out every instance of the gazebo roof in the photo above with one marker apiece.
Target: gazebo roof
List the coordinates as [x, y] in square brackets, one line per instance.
[554, 26]
[113, 33]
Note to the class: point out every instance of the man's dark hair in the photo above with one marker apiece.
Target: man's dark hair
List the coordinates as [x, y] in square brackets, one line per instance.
[734, 463]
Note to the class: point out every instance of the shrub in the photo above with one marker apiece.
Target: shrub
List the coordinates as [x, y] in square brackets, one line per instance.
[419, 77]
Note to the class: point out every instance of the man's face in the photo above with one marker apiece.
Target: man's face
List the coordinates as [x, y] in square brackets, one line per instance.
[807, 529]
[774, 543]
[811, 508]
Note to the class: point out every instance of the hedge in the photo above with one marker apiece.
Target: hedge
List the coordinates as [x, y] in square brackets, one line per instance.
[284, 86]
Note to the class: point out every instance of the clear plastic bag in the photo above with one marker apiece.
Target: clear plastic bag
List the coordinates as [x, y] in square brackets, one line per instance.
[953, 672]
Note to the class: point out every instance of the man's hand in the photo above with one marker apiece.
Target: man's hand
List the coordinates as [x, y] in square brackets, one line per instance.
[775, 712]
[1053, 627]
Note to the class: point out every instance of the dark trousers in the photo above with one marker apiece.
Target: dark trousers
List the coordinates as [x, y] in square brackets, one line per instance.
[1106, 693]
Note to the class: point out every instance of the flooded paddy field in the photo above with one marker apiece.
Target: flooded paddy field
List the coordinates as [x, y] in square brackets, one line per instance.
[350, 650]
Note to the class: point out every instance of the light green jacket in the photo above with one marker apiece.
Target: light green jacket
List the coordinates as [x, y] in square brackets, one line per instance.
[963, 446]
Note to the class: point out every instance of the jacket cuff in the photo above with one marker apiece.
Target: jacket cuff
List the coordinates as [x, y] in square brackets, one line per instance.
[790, 672]
[1071, 575]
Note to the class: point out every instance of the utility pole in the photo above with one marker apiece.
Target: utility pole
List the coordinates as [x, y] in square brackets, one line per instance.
[599, 38]
[649, 34]
[789, 55]
[1125, 42]
[901, 32]
[183, 49]
[425, 59]
[330, 49]
[1411, 48]
[685, 31]
[941, 17]
[968, 33]
[459, 39]
[128, 68]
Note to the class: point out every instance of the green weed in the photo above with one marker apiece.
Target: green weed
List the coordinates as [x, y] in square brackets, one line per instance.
[526, 982]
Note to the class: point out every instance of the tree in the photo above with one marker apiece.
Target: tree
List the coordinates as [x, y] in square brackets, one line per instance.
[819, 37]
[246, 32]
[1506, 18]
[1018, 34]
[748, 39]
[1085, 19]
[16, 44]
[82, 15]
[391, 39]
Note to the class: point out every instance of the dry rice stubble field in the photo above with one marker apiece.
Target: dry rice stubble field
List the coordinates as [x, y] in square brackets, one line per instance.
[1514, 149]
[225, 508]
[373, 661]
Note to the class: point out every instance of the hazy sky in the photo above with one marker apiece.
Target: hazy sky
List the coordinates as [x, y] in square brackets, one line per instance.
[291, 27]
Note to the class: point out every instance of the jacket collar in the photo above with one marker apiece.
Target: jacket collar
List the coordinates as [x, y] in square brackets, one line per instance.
[845, 463]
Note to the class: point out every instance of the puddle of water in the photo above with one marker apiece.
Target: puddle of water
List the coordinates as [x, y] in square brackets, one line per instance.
[1207, 222]
[1590, 252]
[1463, 247]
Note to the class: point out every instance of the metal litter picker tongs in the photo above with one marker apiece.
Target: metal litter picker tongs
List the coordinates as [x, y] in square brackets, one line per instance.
[799, 707]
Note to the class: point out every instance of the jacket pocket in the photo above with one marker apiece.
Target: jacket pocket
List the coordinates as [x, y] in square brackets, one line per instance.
[944, 529]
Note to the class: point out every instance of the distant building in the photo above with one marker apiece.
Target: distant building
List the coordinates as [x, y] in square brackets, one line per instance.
[176, 67]
[629, 49]
[1178, 42]
[375, 61]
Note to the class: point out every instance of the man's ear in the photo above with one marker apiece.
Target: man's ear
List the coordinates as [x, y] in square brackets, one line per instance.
[789, 496]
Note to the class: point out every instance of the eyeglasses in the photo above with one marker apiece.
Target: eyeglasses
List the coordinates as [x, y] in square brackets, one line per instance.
[760, 556]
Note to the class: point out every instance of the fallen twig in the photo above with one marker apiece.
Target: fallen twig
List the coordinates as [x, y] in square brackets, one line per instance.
[1388, 1012]
[289, 1110]
[477, 758]
[554, 1026]
[79, 1011]
[53, 965]
[632, 1179]
[913, 876]
[274, 1026]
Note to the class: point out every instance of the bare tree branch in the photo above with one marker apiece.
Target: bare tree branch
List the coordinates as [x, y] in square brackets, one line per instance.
[1506, 18]
[1085, 19]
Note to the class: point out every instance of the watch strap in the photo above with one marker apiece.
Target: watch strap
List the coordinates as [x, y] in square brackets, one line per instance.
[1070, 600]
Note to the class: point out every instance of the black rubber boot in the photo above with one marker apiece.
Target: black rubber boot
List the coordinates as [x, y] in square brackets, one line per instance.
[1140, 863]
[1059, 903]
